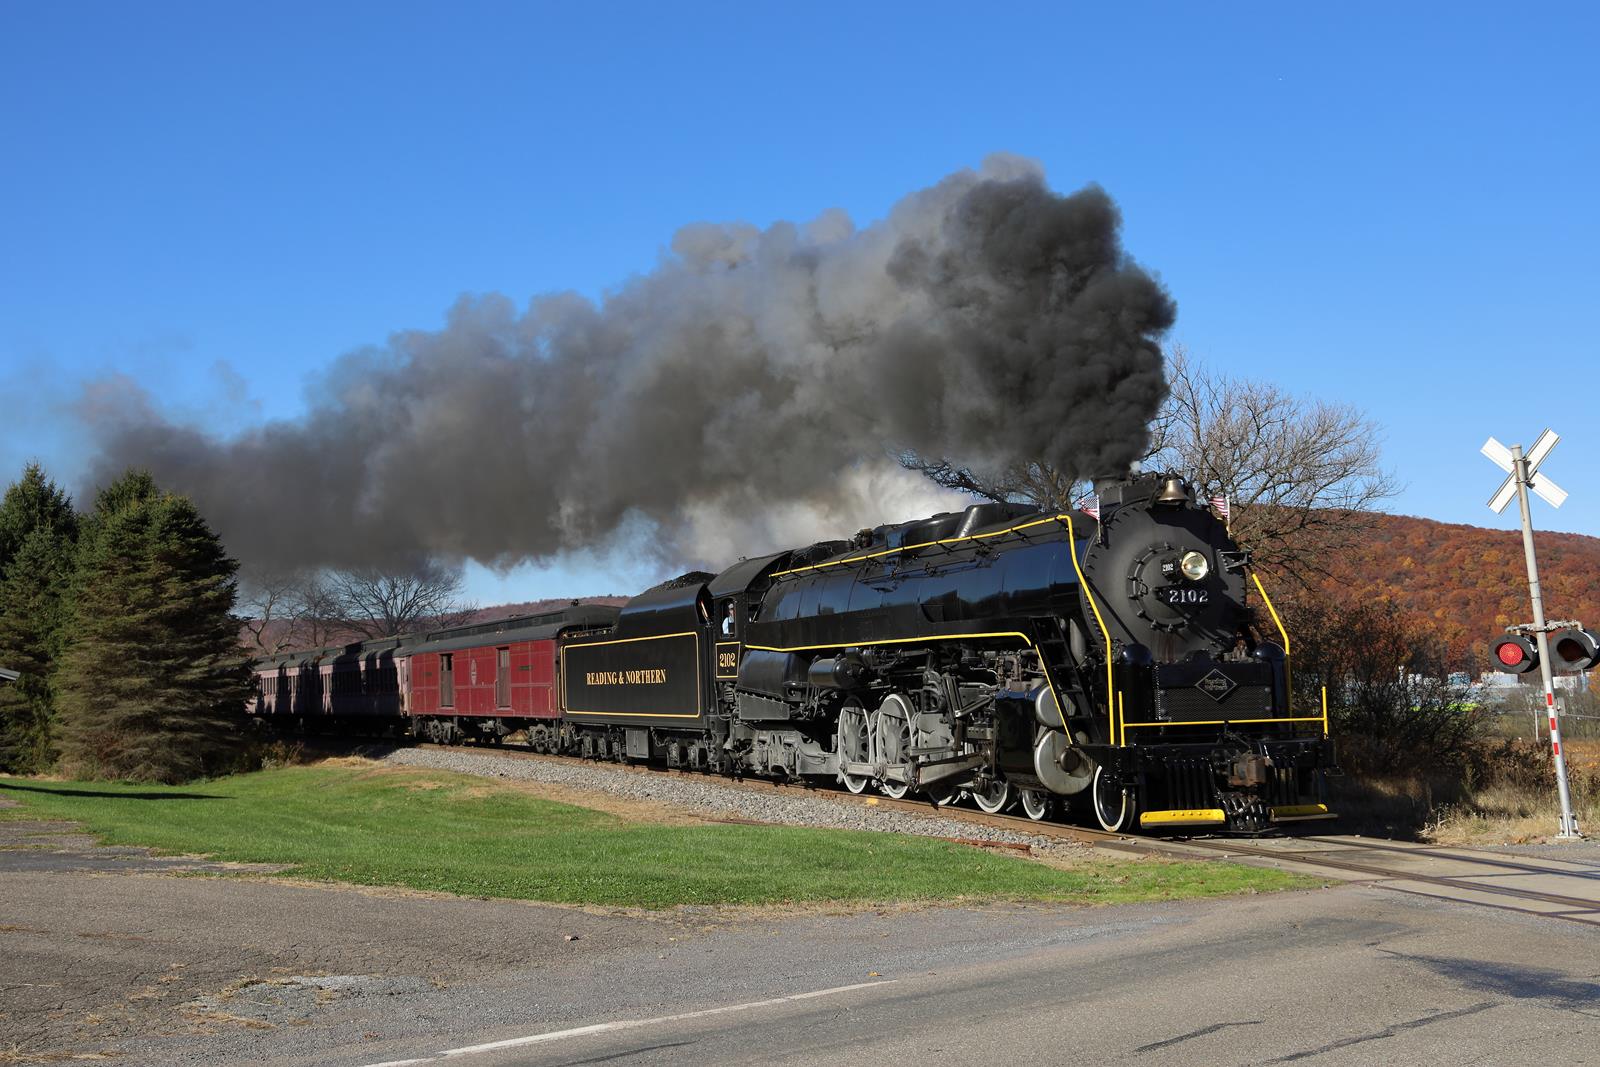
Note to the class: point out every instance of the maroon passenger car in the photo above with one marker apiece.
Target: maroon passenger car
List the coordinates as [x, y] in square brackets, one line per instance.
[492, 679]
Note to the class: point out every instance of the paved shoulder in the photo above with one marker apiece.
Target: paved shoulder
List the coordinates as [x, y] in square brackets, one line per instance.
[103, 963]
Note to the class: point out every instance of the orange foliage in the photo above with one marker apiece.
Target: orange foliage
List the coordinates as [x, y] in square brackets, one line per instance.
[1467, 583]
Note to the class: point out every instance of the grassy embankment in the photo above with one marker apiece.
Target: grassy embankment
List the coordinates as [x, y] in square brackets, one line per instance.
[437, 831]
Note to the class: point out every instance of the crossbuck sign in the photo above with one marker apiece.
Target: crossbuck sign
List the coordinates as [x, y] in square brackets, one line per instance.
[1500, 456]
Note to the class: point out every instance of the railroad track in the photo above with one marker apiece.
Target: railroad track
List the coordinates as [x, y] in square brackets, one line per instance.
[1015, 823]
[1398, 866]
[1483, 881]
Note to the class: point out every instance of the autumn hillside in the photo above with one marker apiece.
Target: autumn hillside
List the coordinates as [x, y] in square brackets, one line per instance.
[1470, 583]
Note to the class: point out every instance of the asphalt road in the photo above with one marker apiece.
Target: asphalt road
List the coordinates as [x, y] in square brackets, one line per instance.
[1348, 976]
[105, 952]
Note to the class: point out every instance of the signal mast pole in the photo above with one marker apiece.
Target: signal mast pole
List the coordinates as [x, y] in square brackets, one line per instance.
[1519, 472]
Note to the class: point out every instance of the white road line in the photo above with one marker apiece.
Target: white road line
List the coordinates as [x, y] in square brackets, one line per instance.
[629, 1024]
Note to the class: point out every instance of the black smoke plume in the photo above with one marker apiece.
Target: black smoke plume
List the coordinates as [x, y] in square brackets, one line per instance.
[747, 393]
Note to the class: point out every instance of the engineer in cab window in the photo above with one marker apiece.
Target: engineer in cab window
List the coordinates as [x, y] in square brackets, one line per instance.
[727, 621]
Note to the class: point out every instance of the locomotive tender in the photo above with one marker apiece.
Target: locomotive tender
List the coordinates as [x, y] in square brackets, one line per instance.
[1001, 651]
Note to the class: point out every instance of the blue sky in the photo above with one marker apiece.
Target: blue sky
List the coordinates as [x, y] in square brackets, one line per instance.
[1388, 206]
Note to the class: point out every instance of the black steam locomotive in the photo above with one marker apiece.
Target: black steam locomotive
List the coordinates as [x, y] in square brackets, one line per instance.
[1000, 651]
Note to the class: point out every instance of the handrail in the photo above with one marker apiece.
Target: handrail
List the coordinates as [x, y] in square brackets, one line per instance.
[1083, 583]
[1288, 675]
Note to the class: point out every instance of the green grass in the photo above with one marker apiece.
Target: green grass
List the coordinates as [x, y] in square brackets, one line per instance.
[452, 833]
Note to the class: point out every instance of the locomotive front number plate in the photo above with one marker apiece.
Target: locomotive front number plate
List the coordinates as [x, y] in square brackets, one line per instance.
[1216, 685]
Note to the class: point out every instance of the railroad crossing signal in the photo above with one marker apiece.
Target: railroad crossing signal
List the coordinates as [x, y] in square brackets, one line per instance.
[1521, 477]
[1572, 649]
[1501, 457]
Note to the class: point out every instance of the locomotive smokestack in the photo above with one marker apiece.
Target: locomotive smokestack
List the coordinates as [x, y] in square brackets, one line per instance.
[749, 392]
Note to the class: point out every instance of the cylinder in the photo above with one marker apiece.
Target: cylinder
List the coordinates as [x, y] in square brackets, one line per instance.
[837, 672]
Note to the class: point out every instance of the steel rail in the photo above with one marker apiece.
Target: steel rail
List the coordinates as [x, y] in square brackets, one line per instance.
[1317, 858]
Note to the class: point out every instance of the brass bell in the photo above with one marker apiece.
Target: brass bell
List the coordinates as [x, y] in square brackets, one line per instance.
[1174, 491]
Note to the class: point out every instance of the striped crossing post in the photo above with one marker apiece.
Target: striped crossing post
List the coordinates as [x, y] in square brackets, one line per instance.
[1521, 477]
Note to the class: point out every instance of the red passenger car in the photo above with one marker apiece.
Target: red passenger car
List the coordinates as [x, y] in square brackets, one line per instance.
[357, 687]
[493, 679]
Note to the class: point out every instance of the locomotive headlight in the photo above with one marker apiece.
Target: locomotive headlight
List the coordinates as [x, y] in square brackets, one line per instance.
[1194, 566]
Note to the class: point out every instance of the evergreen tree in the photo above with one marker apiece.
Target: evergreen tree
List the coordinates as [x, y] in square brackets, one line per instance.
[152, 687]
[37, 531]
[134, 487]
[31, 633]
[31, 502]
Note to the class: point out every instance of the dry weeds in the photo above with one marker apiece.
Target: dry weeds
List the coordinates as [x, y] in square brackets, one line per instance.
[1505, 794]
[1506, 815]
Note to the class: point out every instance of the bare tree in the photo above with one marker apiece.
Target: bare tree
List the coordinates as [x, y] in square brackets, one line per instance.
[268, 603]
[1300, 474]
[289, 609]
[377, 602]
[319, 617]
[1387, 683]
[1034, 483]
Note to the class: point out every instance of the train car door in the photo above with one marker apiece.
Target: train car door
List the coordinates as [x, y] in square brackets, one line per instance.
[447, 680]
[502, 678]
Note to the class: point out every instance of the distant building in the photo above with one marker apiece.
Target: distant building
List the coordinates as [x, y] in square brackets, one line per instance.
[1496, 680]
[1507, 684]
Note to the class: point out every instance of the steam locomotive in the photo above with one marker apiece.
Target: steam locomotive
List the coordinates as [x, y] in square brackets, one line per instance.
[1052, 660]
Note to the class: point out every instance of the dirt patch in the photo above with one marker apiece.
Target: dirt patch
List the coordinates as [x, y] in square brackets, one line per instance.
[418, 779]
[35, 834]
[348, 761]
[653, 812]
[90, 961]
[423, 785]
[263, 1004]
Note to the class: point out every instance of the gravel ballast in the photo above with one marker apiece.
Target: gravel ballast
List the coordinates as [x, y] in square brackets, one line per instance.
[717, 800]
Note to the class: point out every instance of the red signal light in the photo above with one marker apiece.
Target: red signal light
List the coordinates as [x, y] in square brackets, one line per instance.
[1514, 655]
